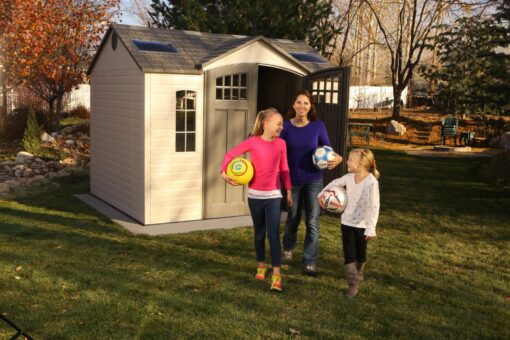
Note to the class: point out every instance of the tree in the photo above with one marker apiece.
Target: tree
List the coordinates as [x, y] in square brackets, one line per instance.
[5, 18]
[139, 9]
[32, 137]
[48, 45]
[311, 20]
[473, 74]
[406, 25]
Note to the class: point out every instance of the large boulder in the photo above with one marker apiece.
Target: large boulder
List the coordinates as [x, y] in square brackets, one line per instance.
[395, 128]
[46, 138]
[23, 157]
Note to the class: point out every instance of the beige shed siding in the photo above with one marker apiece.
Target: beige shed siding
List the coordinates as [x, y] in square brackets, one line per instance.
[117, 132]
[258, 53]
[175, 184]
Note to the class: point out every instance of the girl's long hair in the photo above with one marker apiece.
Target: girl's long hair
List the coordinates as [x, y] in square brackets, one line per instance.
[312, 114]
[367, 160]
[262, 116]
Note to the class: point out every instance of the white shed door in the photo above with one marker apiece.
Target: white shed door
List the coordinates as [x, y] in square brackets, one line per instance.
[231, 104]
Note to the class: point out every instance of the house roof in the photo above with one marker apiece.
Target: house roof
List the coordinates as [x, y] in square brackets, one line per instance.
[198, 49]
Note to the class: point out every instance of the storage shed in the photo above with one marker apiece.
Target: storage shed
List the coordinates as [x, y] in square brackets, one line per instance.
[167, 104]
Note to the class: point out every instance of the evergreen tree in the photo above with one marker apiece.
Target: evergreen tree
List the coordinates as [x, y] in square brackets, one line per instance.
[309, 20]
[473, 76]
[32, 136]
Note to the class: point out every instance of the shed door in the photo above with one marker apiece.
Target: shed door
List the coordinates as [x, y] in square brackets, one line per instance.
[231, 101]
[330, 92]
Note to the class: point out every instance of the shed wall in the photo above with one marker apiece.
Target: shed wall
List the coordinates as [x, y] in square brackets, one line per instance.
[117, 173]
[175, 183]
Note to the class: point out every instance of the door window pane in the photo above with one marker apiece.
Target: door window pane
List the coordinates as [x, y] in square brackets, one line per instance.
[190, 141]
[179, 98]
[179, 142]
[232, 87]
[180, 120]
[190, 121]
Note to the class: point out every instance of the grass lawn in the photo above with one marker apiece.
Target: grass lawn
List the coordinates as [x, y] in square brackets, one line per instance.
[440, 268]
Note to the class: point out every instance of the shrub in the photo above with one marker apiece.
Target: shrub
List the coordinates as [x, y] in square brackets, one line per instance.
[32, 136]
[16, 122]
[80, 111]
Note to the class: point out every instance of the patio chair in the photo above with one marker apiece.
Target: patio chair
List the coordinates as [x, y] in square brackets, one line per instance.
[449, 128]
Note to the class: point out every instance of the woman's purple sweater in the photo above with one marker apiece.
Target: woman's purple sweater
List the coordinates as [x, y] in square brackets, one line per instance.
[301, 142]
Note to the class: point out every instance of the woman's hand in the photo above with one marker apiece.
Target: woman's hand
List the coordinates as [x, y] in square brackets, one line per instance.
[228, 179]
[334, 162]
[368, 238]
[290, 202]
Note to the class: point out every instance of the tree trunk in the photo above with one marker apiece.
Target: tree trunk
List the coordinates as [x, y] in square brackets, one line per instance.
[3, 111]
[3, 107]
[58, 112]
[397, 93]
[410, 92]
[51, 105]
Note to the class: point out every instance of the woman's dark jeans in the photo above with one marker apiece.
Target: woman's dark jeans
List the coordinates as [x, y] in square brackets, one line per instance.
[304, 197]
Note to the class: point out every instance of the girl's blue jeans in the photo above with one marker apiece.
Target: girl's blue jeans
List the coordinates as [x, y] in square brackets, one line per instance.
[304, 197]
[265, 214]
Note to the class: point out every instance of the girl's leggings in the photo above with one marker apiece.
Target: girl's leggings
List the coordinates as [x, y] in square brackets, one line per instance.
[354, 243]
[265, 214]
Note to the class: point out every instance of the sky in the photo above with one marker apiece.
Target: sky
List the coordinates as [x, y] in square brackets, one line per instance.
[126, 17]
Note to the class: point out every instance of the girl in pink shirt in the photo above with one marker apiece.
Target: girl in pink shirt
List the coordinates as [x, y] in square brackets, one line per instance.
[269, 158]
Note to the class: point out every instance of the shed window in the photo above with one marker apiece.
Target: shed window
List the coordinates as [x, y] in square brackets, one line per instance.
[232, 87]
[325, 91]
[308, 57]
[154, 46]
[185, 121]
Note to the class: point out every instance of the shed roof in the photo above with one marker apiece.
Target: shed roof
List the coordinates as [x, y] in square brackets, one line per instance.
[196, 49]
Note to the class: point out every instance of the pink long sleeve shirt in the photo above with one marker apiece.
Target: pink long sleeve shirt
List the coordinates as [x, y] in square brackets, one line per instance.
[269, 161]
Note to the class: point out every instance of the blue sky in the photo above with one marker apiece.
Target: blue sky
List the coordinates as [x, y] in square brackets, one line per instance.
[126, 17]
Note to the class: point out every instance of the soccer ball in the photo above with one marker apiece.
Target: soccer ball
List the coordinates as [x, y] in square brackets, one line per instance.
[240, 170]
[334, 200]
[322, 155]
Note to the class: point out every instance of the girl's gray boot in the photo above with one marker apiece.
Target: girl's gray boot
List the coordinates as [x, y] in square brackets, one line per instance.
[351, 275]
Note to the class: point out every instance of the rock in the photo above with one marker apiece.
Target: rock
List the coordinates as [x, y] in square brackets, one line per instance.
[7, 163]
[12, 183]
[45, 138]
[69, 142]
[395, 128]
[66, 130]
[4, 187]
[23, 157]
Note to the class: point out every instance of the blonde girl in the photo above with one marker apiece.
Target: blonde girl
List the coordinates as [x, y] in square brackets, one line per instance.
[269, 158]
[359, 218]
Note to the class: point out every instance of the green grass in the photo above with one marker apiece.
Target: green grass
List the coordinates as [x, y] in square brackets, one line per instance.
[440, 268]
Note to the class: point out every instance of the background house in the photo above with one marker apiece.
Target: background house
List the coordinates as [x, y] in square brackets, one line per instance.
[167, 104]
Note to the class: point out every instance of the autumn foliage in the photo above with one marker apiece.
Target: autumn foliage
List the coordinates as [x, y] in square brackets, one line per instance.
[48, 44]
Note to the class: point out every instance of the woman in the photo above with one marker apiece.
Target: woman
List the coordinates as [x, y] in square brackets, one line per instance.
[303, 133]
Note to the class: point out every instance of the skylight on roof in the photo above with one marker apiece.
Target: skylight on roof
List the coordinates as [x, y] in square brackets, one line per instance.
[154, 46]
[307, 57]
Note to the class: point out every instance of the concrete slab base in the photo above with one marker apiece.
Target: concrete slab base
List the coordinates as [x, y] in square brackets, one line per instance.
[452, 148]
[165, 228]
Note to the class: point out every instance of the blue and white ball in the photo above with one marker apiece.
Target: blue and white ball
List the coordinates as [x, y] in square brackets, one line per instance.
[322, 155]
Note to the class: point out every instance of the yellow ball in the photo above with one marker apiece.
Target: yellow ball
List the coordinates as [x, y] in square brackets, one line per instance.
[240, 170]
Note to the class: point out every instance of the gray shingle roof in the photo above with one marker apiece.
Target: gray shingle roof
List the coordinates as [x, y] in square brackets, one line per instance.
[196, 49]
